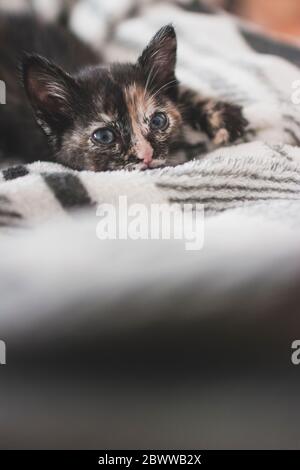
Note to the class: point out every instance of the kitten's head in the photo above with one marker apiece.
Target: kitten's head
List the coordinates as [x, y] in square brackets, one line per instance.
[109, 117]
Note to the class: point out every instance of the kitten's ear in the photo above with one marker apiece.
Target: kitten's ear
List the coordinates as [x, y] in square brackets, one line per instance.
[159, 57]
[50, 91]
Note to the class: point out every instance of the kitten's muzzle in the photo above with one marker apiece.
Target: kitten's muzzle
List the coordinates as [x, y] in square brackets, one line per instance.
[144, 152]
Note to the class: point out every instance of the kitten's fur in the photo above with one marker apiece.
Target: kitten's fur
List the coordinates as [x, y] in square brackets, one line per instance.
[70, 96]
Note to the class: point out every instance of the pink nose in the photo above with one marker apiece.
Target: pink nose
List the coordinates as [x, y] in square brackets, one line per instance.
[145, 153]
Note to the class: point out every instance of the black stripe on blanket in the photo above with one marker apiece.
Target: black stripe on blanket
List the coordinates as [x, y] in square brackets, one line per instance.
[8, 216]
[265, 45]
[14, 172]
[68, 189]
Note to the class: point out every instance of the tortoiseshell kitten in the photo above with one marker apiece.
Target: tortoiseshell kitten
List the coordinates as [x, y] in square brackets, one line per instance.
[101, 117]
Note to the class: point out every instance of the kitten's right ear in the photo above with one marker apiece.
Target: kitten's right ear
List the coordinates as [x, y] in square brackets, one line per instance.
[50, 90]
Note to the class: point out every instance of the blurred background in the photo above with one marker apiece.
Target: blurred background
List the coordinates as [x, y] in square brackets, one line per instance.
[280, 17]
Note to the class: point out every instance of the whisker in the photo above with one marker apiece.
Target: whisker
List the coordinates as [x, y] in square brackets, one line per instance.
[153, 77]
[164, 86]
[148, 80]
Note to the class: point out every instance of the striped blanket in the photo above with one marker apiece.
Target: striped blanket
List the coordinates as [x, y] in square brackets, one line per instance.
[232, 177]
[216, 56]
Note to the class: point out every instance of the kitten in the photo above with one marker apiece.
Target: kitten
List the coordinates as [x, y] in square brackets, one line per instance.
[102, 117]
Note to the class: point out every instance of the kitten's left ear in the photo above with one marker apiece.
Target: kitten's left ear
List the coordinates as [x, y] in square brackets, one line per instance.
[51, 92]
[159, 57]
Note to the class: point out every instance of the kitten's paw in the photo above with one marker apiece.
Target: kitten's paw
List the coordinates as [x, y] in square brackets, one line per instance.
[226, 122]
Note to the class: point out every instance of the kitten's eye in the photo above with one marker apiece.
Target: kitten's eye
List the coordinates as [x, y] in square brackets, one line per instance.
[103, 136]
[159, 121]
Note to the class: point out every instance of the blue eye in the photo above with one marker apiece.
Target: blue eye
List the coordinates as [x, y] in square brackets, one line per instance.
[103, 136]
[159, 121]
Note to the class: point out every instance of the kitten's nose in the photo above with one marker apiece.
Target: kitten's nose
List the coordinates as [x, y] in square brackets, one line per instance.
[145, 152]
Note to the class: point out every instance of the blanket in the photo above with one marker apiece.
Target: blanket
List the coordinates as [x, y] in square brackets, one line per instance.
[237, 176]
[141, 343]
